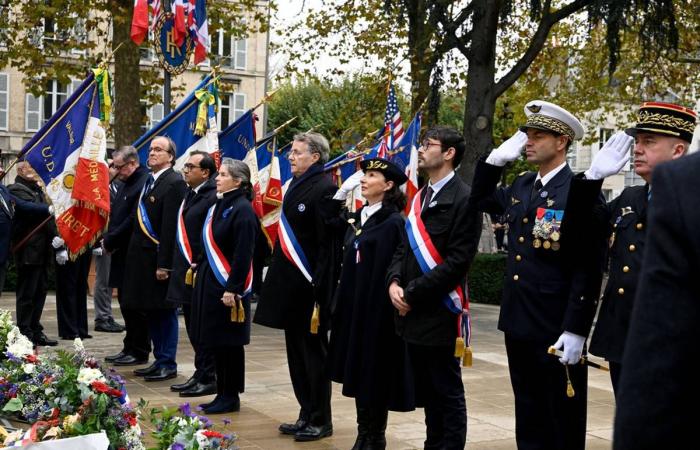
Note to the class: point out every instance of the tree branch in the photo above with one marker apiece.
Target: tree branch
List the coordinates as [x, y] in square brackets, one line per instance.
[538, 40]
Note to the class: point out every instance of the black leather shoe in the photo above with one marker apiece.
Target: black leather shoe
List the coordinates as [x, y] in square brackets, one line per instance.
[224, 404]
[313, 432]
[106, 326]
[199, 390]
[161, 374]
[112, 358]
[42, 340]
[129, 360]
[184, 386]
[85, 336]
[292, 428]
[142, 372]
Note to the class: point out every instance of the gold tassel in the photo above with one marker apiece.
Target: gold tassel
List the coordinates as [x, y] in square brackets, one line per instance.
[315, 319]
[241, 311]
[467, 358]
[459, 347]
[188, 277]
[194, 279]
[234, 313]
[569, 387]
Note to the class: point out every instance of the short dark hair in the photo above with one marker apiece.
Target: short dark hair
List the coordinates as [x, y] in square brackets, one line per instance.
[395, 197]
[207, 162]
[448, 137]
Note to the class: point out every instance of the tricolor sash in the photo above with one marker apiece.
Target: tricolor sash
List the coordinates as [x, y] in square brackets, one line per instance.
[428, 257]
[144, 221]
[218, 262]
[183, 241]
[292, 249]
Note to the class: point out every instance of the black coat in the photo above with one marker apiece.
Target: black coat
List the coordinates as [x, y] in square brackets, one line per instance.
[37, 249]
[194, 213]
[15, 206]
[454, 227]
[627, 216]
[121, 224]
[365, 354]
[545, 291]
[658, 396]
[287, 298]
[234, 227]
[141, 289]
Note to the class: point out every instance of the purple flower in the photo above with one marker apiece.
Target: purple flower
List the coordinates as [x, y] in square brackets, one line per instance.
[186, 409]
[227, 421]
[177, 446]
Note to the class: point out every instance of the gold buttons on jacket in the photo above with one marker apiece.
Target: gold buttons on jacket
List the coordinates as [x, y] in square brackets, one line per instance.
[640, 225]
[525, 220]
[518, 257]
[626, 269]
[621, 291]
[516, 278]
[521, 239]
[632, 247]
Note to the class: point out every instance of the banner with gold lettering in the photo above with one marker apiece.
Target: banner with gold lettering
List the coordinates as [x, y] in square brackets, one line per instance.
[68, 153]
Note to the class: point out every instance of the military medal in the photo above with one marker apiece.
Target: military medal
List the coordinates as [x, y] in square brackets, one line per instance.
[556, 246]
[301, 207]
[546, 229]
[544, 194]
[550, 202]
[546, 245]
[555, 236]
[537, 243]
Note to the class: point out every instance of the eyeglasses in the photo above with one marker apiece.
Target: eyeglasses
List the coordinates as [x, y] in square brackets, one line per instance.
[114, 166]
[189, 166]
[427, 144]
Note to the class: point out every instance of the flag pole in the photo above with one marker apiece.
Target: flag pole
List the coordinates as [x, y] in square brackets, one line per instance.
[265, 99]
[281, 127]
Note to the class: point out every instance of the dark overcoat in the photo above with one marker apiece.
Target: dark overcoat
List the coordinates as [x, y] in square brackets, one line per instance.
[545, 292]
[234, 227]
[194, 212]
[141, 288]
[37, 249]
[365, 353]
[287, 298]
[121, 224]
[454, 227]
[658, 396]
[627, 217]
[15, 205]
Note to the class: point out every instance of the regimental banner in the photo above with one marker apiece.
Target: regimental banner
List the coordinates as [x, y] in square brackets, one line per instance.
[68, 154]
[172, 57]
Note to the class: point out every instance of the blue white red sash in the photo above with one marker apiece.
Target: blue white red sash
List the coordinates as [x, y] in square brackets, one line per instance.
[183, 241]
[144, 221]
[428, 257]
[292, 249]
[218, 262]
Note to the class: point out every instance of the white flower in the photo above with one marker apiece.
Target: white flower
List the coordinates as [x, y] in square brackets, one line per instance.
[78, 345]
[17, 344]
[87, 375]
[202, 440]
[28, 368]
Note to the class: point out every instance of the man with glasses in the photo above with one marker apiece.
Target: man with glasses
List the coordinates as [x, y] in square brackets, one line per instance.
[299, 284]
[199, 173]
[426, 316]
[115, 241]
[150, 257]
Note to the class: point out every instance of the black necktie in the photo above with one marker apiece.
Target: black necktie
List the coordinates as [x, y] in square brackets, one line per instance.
[189, 197]
[426, 199]
[149, 184]
[536, 189]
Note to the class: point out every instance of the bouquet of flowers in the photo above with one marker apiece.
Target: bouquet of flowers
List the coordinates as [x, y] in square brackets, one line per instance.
[181, 429]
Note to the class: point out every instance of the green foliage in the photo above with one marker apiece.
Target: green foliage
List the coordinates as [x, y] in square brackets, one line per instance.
[486, 278]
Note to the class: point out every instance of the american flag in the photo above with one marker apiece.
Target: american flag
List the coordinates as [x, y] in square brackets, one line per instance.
[393, 126]
[155, 10]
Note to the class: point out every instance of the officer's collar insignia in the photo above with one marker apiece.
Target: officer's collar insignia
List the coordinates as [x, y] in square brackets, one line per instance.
[550, 202]
[627, 210]
[514, 201]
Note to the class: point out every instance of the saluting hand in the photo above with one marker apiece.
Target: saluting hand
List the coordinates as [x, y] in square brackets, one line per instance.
[611, 158]
[508, 151]
[396, 295]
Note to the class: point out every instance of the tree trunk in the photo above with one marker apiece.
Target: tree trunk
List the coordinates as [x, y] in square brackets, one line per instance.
[420, 53]
[128, 115]
[481, 101]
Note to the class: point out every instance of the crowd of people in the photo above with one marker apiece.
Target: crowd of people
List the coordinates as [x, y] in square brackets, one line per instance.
[377, 299]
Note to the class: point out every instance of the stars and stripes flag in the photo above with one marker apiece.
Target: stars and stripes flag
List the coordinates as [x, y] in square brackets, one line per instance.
[393, 126]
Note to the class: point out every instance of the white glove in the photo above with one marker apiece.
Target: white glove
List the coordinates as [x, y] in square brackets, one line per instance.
[57, 242]
[611, 158]
[572, 347]
[97, 251]
[348, 185]
[508, 151]
[62, 257]
[51, 209]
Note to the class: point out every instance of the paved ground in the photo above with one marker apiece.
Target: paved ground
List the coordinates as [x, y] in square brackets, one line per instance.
[269, 399]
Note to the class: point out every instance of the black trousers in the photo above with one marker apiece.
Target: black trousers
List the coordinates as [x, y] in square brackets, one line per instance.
[3, 274]
[32, 284]
[615, 371]
[230, 369]
[204, 364]
[438, 380]
[71, 296]
[545, 418]
[306, 356]
[136, 342]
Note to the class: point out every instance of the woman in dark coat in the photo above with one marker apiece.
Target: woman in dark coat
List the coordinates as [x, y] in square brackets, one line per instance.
[365, 353]
[222, 284]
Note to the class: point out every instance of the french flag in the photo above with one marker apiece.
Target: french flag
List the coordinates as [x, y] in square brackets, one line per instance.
[199, 30]
[139, 21]
[179, 28]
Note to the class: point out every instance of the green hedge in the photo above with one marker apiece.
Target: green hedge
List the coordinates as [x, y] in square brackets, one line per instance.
[486, 278]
